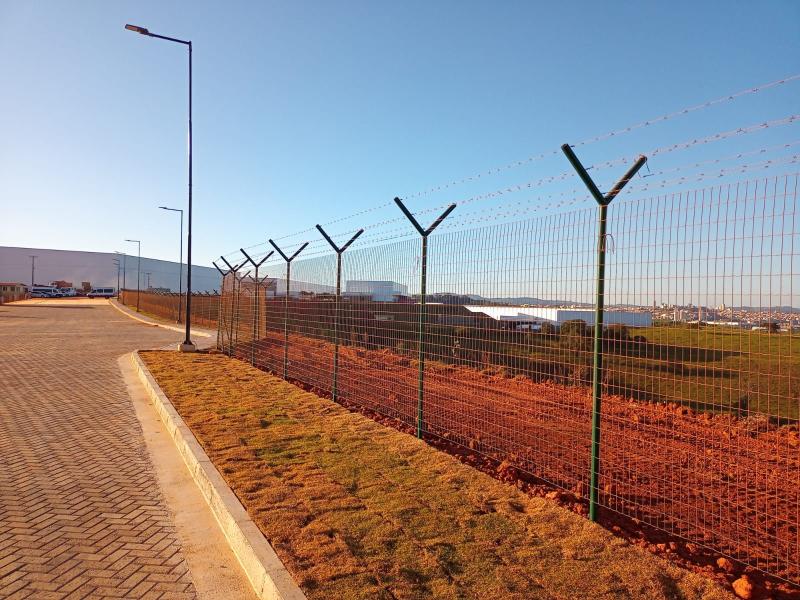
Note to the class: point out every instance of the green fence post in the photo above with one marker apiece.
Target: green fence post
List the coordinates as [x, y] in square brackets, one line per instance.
[339, 252]
[219, 318]
[286, 304]
[422, 305]
[597, 366]
[234, 305]
[255, 302]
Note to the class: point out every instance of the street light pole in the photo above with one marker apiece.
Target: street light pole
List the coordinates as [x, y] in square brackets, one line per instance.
[138, 272]
[180, 263]
[187, 345]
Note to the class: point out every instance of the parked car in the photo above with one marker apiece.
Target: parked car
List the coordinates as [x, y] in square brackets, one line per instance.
[102, 293]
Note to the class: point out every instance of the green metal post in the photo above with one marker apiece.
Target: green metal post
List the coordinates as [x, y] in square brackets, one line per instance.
[339, 252]
[288, 260]
[256, 307]
[219, 307]
[422, 306]
[234, 305]
[421, 339]
[597, 361]
[335, 384]
[286, 322]
[255, 323]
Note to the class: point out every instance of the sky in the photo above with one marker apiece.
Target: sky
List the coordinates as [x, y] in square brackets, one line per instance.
[305, 112]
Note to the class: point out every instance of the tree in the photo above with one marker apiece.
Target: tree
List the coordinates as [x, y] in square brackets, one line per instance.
[770, 326]
[618, 332]
[574, 335]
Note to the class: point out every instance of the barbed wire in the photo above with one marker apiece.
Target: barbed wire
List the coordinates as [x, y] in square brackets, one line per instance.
[570, 198]
[534, 158]
[577, 195]
[610, 134]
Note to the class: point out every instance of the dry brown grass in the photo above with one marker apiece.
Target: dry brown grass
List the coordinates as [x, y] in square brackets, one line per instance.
[358, 510]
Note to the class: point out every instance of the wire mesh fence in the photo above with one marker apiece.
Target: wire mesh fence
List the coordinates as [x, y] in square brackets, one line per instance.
[701, 379]
[170, 305]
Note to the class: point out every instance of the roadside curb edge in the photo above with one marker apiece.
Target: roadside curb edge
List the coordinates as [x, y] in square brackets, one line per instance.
[195, 332]
[263, 568]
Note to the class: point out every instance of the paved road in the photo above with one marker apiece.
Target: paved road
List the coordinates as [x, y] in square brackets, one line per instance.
[81, 514]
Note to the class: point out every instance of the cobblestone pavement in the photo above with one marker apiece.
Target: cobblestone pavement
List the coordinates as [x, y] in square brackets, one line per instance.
[81, 514]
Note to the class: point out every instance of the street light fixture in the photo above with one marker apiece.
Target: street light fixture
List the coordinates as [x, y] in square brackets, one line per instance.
[180, 264]
[137, 29]
[138, 271]
[187, 345]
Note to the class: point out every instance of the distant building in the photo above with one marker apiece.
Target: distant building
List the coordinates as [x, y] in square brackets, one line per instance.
[522, 316]
[11, 291]
[378, 291]
[99, 269]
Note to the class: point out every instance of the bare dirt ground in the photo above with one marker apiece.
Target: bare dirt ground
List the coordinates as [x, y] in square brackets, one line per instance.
[701, 488]
[359, 510]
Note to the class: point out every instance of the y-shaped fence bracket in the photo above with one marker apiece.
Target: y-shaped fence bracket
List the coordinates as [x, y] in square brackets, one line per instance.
[422, 304]
[597, 368]
[339, 251]
[257, 308]
[288, 260]
[219, 304]
[234, 304]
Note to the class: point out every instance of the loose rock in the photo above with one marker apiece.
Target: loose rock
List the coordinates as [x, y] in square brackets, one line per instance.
[743, 587]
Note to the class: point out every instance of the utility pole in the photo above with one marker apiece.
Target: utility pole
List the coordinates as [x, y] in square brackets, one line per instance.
[138, 270]
[119, 265]
[119, 290]
[33, 268]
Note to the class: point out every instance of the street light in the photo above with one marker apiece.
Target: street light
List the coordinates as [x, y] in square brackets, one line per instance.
[138, 270]
[187, 345]
[180, 264]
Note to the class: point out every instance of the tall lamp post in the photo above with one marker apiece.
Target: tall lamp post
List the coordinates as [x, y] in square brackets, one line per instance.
[138, 271]
[187, 345]
[180, 263]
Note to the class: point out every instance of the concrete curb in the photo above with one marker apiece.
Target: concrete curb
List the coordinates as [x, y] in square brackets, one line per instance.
[266, 572]
[195, 332]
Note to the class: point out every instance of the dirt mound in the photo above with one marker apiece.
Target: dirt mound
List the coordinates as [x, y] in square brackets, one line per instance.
[714, 481]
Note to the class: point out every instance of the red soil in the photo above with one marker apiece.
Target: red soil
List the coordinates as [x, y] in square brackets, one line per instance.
[693, 486]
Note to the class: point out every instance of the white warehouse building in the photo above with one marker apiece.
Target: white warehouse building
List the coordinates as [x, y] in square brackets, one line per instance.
[559, 316]
[378, 291]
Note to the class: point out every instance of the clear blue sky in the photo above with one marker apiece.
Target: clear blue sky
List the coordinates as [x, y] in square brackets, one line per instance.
[308, 110]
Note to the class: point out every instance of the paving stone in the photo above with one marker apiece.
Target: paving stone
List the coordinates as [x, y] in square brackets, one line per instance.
[81, 514]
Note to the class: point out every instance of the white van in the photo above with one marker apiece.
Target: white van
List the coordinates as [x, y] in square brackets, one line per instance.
[102, 293]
